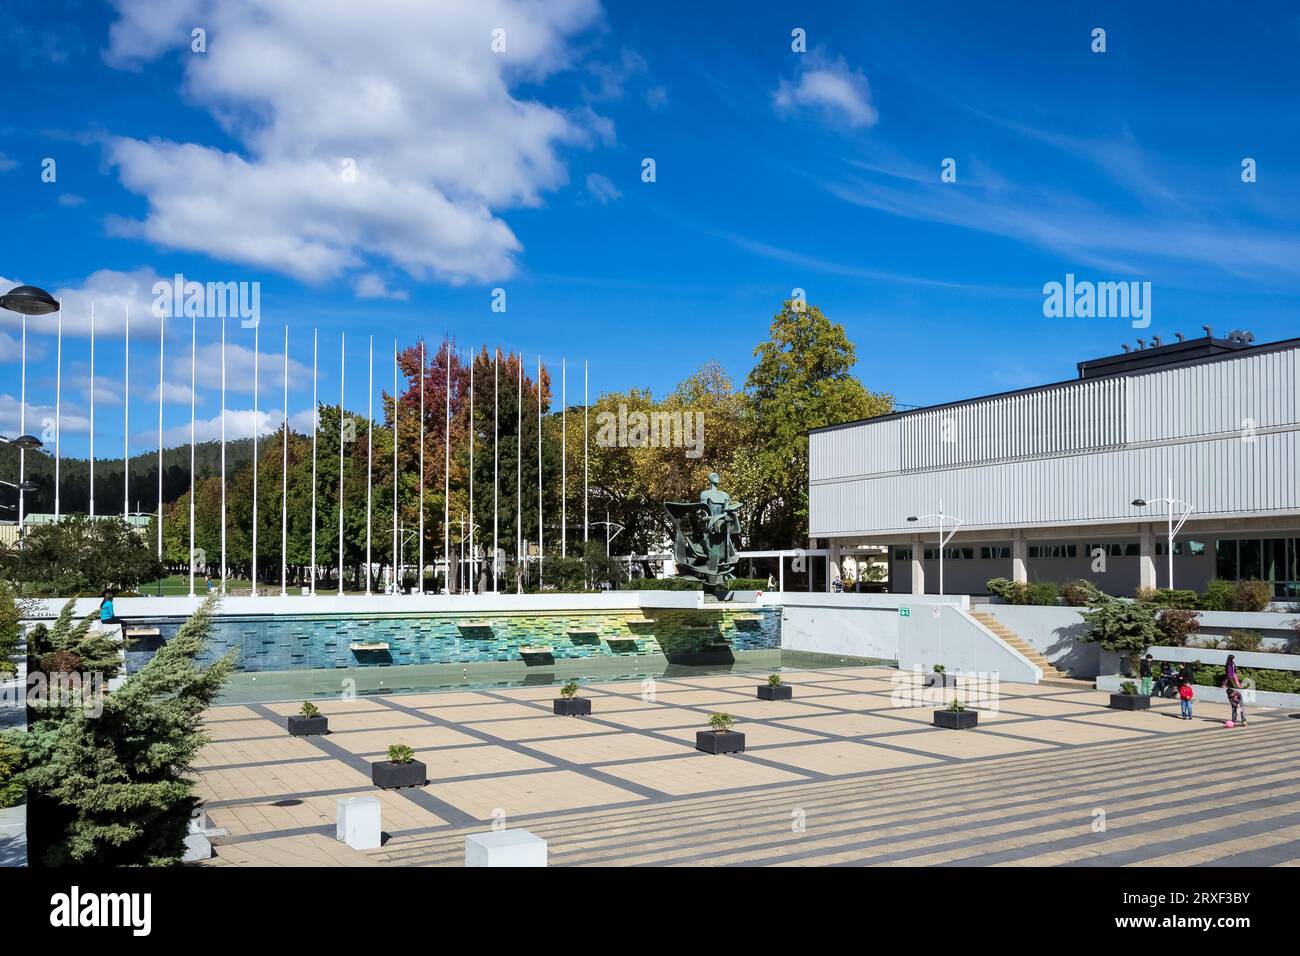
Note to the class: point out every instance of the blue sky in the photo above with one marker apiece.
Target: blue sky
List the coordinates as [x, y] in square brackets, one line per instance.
[521, 170]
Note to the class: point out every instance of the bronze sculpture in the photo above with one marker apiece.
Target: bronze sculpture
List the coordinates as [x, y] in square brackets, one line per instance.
[706, 537]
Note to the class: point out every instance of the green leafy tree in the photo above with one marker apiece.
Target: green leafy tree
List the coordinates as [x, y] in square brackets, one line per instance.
[81, 555]
[113, 789]
[803, 379]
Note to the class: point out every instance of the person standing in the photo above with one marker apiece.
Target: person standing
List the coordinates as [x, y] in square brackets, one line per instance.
[1145, 672]
[1232, 685]
[1185, 695]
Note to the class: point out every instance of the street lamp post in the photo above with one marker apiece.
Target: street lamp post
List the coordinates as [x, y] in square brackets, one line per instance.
[1169, 501]
[943, 539]
[26, 300]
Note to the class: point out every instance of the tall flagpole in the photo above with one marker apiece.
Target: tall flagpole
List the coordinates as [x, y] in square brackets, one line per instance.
[343, 344]
[564, 457]
[397, 578]
[223, 454]
[370, 450]
[446, 473]
[22, 430]
[58, 412]
[194, 337]
[496, 458]
[315, 421]
[92, 408]
[519, 480]
[419, 571]
[469, 569]
[284, 477]
[162, 342]
[586, 410]
[126, 418]
[540, 533]
[257, 426]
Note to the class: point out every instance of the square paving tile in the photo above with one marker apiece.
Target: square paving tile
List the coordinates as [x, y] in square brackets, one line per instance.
[1043, 706]
[965, 744]
[773, 709]
[374, 720]
[529, 793]
[470, 713]
[244, 729]
[1070, 732]
[665, 716]
[474, 761]
[851, 725]
[423, 736]
[540, 728]
[701, 773]
[842, 757]
[602, 748]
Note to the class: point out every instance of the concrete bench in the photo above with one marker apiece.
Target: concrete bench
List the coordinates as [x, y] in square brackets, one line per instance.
[505, 848]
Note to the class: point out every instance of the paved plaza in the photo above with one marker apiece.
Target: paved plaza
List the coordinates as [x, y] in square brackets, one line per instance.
[838, 776]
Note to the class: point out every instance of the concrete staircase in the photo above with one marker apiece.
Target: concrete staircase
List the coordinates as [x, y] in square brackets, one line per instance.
[1050, 673]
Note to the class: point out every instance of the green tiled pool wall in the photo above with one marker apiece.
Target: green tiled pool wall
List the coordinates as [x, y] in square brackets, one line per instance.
[280, 642]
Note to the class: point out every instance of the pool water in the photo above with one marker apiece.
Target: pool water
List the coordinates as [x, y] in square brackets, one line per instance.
[306, 684]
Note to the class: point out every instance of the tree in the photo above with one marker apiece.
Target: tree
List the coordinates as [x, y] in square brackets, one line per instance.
[1123, 627]
[81, 555]
[803, 379]
[11, 629]
[113, 790]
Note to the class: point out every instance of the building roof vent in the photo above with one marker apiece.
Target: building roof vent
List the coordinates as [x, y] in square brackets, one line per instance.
[1238, 337]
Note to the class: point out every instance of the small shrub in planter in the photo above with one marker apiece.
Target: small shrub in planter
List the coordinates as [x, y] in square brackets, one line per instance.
[569, 704]
[1079, 593]
[401, 769]
[1240, 640]
[774, 689]
[309, 722]
[721, 739]
[956, 717]
[1128, 698]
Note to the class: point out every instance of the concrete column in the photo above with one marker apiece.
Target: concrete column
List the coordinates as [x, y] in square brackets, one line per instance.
[832, 561]
[918, 565]
[1147, 557]
[1019, 558]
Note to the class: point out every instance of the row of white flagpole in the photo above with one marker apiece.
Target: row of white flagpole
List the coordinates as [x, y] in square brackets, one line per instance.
[126, 509]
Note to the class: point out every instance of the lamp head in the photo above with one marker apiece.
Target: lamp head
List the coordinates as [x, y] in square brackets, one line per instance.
[1139, 503]
[29, 300]
[911, 518]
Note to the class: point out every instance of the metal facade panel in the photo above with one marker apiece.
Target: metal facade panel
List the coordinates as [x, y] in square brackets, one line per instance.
[1073, 454]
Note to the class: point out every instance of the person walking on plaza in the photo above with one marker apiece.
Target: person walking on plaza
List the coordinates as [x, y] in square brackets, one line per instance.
[1145, 672]
[1185, 695]
[1232, 684]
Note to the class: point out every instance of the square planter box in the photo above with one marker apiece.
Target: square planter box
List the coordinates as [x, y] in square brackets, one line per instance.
[779, 692]
[309, 726]
[720, 741]
[1130, 702]
[393, 776]
[956, 719]
[573, 706]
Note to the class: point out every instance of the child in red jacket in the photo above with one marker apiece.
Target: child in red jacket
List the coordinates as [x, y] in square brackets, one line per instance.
[1185, 698]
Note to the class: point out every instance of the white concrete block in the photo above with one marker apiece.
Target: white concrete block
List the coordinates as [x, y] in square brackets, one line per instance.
[197, 847]
[505, 848]
[357, 823]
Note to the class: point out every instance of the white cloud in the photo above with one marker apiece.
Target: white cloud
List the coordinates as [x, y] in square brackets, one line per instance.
[409, 92]
[73, 420]
[71, 200]
[371, 286]
[7, 163]
[602, 189]
[828, 88]
[240, 423]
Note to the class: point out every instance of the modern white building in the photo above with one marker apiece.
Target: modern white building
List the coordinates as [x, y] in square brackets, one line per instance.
[1044, 480]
